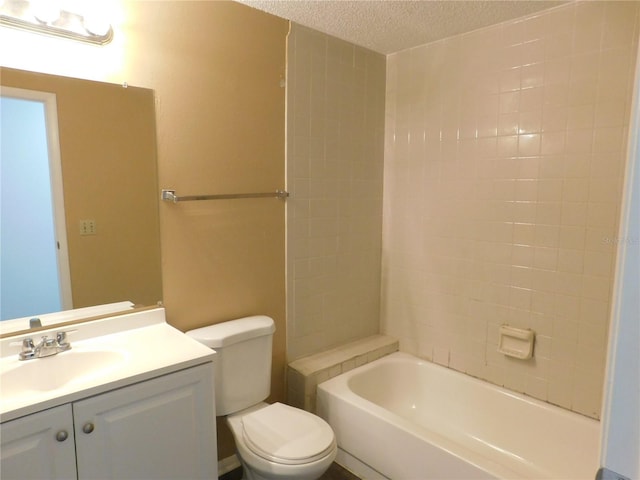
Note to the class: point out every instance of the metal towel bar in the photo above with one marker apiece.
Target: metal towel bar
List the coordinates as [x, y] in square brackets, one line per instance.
[170, 196]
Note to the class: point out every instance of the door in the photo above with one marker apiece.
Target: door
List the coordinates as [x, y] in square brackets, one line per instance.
[34, 267]
[159, 429]
[39, 446]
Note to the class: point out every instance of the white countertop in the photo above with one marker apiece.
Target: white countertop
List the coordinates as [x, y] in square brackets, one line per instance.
[145, 345]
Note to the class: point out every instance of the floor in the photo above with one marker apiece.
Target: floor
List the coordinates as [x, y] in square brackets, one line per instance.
[335, 472]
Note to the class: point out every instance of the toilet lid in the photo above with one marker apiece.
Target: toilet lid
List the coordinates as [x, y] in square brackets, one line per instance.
[284, 434]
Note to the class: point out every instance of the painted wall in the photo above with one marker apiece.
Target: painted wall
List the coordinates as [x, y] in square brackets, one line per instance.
[216, 69]
[503, 174]
[335, 135]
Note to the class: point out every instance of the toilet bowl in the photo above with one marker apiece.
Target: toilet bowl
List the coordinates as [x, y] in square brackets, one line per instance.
[278, 441]
[273, 442]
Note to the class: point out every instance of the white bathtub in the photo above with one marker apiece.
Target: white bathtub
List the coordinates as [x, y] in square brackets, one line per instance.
[408, 419]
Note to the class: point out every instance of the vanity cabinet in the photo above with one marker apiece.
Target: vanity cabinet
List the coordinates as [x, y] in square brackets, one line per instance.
[39, 446]
[163, 428]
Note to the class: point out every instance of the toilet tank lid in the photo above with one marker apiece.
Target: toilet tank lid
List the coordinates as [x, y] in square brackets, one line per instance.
[224, 334]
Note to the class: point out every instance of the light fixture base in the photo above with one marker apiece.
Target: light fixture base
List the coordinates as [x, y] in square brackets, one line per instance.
[18, 14]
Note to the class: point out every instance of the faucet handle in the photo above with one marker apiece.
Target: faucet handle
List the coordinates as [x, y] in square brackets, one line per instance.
[47, 342]
[28, 349]
[61, 339]
[25, 343]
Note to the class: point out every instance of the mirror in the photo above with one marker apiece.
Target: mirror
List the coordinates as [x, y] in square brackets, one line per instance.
[107, 143]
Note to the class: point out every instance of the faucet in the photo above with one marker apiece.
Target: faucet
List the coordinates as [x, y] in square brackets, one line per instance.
[35, 322]
[45, 348]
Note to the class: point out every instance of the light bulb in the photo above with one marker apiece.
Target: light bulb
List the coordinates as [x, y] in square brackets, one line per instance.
[45, 11]
[96, 25]
[95, 14]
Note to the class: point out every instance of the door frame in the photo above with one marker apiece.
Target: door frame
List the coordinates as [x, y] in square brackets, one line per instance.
[48, 99]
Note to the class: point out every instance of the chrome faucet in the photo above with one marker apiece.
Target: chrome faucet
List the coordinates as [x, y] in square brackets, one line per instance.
[35, 322]
[46, 347]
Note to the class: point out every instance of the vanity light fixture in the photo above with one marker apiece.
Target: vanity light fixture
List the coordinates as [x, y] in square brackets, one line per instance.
[49, 17]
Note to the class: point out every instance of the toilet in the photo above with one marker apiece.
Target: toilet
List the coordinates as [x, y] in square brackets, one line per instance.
[273, 441]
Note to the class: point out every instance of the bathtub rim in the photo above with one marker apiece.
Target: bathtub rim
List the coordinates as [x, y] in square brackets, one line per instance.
[342, 380]
[339, 386]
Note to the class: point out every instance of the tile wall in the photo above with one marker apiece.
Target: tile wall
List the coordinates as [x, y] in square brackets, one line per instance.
[504, 155]
[335, 138]
[304, 374]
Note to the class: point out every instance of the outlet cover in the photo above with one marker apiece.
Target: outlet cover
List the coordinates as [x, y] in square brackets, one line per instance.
[87, 227]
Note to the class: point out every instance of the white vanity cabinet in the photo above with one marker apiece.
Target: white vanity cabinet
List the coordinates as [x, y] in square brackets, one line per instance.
[39, 446]
[163, 428]
[158, 429]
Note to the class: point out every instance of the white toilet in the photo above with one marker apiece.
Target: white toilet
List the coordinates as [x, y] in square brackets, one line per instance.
[273, 441]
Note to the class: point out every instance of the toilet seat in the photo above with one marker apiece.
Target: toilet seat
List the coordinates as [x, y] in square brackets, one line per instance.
[283, 434]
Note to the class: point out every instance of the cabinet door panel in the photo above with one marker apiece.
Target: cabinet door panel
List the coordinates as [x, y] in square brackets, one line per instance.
[36, 447]
[159, 429]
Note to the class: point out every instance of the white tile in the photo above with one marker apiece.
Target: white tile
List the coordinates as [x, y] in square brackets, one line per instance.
[514, 210]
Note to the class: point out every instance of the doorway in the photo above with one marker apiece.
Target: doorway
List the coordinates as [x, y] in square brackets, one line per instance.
[34, 265]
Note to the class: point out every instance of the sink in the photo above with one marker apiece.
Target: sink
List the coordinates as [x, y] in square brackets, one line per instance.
[57, 371]
[106, 354]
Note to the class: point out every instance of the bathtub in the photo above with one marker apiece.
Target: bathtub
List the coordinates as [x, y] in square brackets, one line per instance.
[402, 418]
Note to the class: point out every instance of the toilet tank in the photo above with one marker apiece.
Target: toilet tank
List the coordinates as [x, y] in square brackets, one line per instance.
[243, 361]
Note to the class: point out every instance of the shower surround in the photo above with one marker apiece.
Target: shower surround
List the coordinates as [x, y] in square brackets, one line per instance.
[505, 152]
[335, 145]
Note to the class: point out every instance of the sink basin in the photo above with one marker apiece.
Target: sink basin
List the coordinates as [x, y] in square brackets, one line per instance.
[106, 354]
[57, 371]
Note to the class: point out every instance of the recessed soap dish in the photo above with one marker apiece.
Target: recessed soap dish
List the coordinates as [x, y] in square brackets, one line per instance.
[516, 342]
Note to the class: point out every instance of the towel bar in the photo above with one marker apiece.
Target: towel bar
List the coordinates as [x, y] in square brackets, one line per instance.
[170, 196]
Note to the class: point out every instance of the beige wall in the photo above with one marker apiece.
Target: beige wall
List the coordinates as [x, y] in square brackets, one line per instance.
[216, 68]
[505, 154]
[335, 134]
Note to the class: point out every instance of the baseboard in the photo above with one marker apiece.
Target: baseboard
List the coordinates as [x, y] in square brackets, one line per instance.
[228, 464]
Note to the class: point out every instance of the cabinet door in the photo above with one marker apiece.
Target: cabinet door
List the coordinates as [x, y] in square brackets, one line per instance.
[159, 429]
[39, 446]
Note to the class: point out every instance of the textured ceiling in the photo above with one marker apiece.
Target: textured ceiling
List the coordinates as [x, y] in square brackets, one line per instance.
[388, 26]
